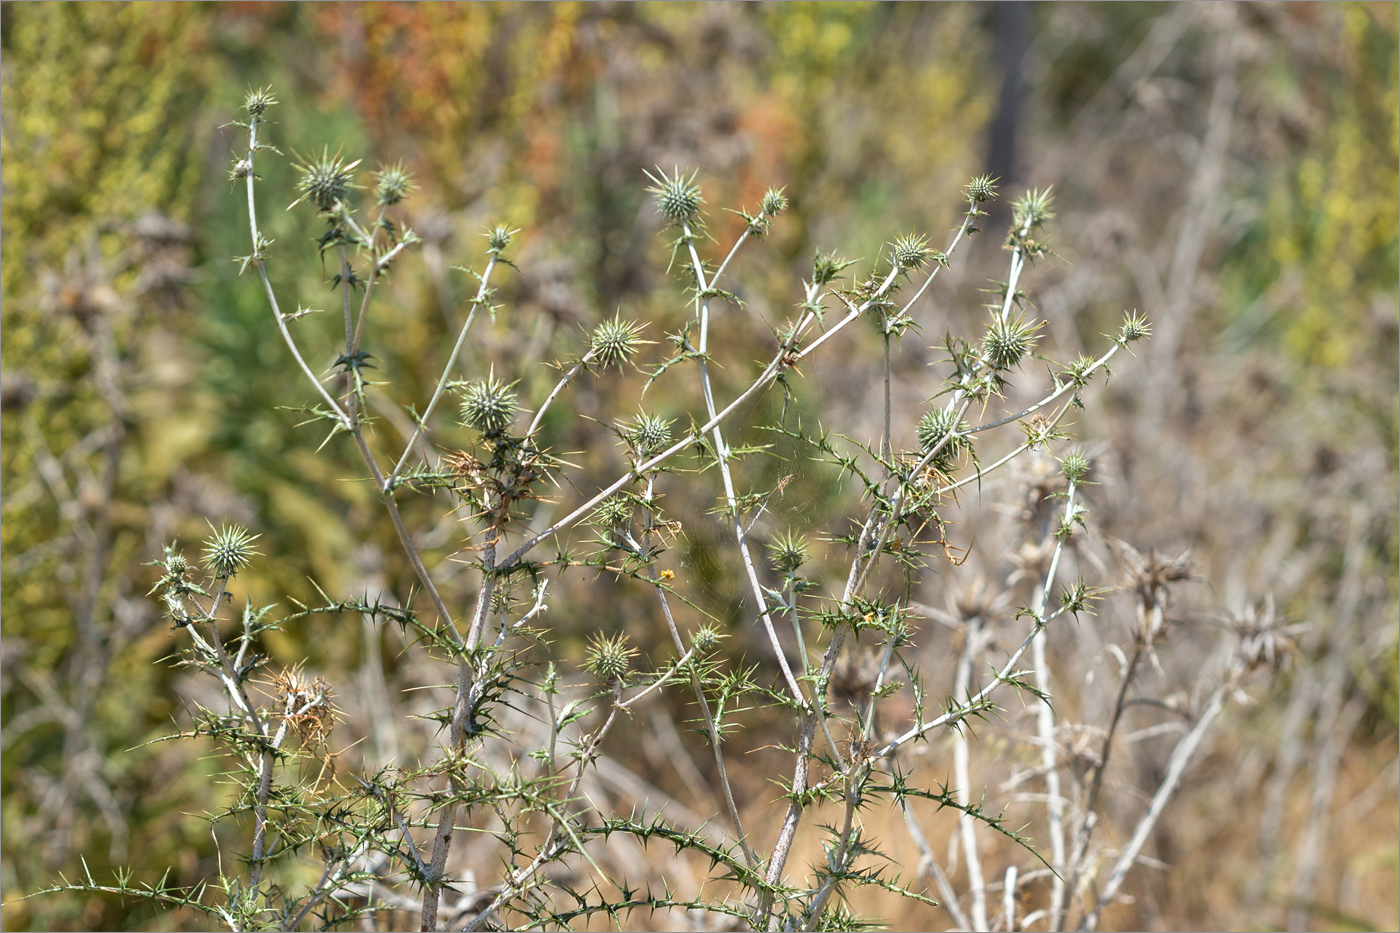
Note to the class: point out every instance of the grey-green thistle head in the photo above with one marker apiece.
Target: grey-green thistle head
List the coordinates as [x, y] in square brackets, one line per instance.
[1075, 466]
[1135, 328]
[228, 550]
[498, 237]
[980, 189]
[677, 197]
[934, 427]
[257, 102]
[608, 659]
[649, 434]
[326, 181]
[392, 184]
[615, 342]
[1008, 341]
[1032, 210]
[489, 406]
[774, 202]
[788, 551]
[612, 512]
[706, 638]
[910, 251]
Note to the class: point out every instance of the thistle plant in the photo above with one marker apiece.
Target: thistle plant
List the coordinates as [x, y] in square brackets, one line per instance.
[838, 613]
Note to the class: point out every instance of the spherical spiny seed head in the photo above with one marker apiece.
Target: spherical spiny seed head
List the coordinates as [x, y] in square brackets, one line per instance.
[175, 563]
[980, 189]
[392, 184]
[910, 251]
[677, 197]
[1032, 210]
[257, 102]
[788, 551]
[1135, 327]
[1075, 466]
[649, 434]
[608, 659]
[1007, 341]
[774, 202]
[326, 181]
[489, 406]
[612, 512]
[706, 638]
[615, 342]
[936, 425]
[498, 237]
[228, 550]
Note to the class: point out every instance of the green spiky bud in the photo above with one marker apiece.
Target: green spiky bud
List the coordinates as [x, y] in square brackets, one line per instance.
[489, 406]
[774, 202]
[609, 659]
[910, 251]
[1007, 341]
[1135, 327]
[1032, 210]
[326, 181]
[175, 563]
[612, 512]
[392, 184]
[615, 342]
[706, 638]
[936, 425]
[648, 434]
[498, 237]
[788, 551]
[980, 189]
[677, 197]
[257, 102]
[1075, 466]
[228, 550]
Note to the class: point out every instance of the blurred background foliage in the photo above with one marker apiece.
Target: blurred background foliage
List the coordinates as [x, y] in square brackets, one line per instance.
[1230, 170]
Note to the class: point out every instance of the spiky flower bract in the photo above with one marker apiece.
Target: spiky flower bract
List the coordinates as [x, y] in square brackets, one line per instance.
[489, 406]
[648, 434]
[980, 189]
[936, 425]
[392, 184]
[788, 551]
[910, 251]
[774, 202]
[612, 512]
[706, 638]
[228, 550]
[1074, 466]
[608, 658]
[615, 342]
[1032, 210]
[326, 181]
[498, 237]
[1135, 328]
[677, 197]
[1008, 340]
[257, 102]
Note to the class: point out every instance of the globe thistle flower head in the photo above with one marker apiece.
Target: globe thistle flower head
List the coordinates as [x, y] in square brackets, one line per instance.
[326, 182]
